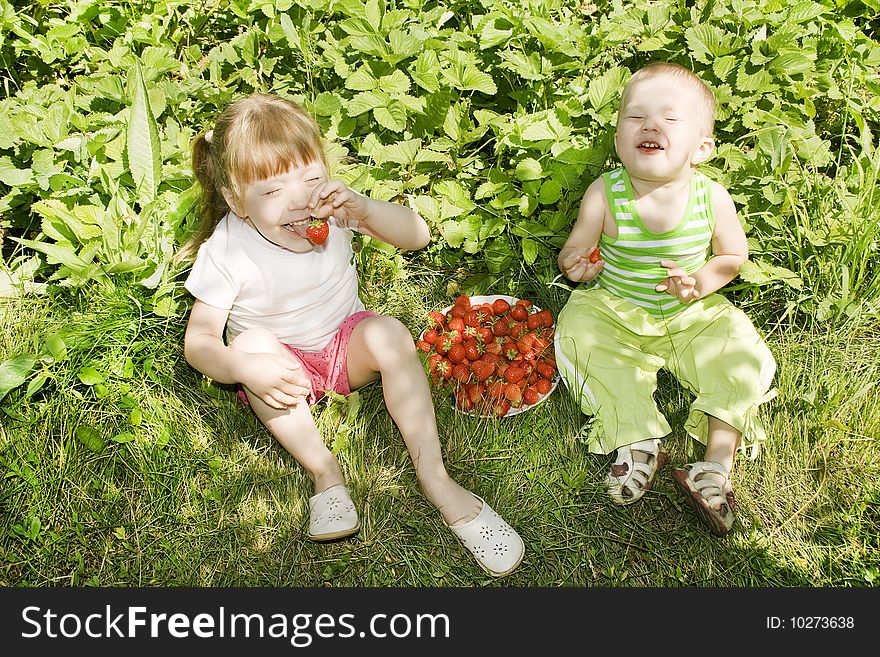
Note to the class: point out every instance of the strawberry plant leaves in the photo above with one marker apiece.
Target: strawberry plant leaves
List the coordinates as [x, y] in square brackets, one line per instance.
[529, 169]
[424, 71]
[362, 79]
[606, 87]
[392, 116]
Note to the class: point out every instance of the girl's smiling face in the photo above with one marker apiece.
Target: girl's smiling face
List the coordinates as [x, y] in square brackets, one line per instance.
[277, 207]
[661, 130]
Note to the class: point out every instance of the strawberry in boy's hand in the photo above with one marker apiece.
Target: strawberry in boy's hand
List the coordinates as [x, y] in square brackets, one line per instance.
[317, 231]
[595, 255]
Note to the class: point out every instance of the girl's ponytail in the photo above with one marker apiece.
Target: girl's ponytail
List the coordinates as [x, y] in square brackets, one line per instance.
[212, 204]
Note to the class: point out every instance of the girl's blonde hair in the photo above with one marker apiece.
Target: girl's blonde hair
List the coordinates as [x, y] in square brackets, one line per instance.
[255, 137]
[686, 76]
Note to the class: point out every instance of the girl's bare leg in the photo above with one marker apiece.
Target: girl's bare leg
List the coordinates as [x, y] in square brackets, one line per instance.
[383, 347]
[295, 427]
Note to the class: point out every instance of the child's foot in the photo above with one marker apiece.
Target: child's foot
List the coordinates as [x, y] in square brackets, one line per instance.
[332, 515]
[495, 545]
[706, 488]
[455, 504]
[632, 473]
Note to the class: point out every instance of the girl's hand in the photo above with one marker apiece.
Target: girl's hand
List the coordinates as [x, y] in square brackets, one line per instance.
[578, 267]
[335, 198]
[678, 284]
[278, 381]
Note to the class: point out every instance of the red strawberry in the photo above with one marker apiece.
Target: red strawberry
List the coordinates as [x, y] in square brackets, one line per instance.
[456, 353]
[463, 301]
[513, 394]
[544, 385]
[461, 372]
[595, 255]
[472, 350]
[501, 407]
[531, 396]
[535, 321]
[317, 231]
[431, 336]
[424, 346]
[500, 306]
[482, 369]
[545, 369]
[514, 374]
[436, 320]
[519, 312]
[546, 318]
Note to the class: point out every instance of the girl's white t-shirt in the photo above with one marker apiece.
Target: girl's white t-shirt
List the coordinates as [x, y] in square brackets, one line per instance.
[301, 298]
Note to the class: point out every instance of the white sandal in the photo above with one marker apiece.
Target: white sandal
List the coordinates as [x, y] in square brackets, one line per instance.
[628, 480]
[332, 515]
[495, 545]
[713, 502]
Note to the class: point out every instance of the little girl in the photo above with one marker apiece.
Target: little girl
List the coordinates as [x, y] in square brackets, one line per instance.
[287, 304]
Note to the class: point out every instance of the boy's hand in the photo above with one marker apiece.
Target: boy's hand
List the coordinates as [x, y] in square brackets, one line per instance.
[578, 266]
[278, 381]
[678, 284]
[335, 198]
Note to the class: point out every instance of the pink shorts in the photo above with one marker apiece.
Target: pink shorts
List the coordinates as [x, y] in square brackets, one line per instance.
[327, 368]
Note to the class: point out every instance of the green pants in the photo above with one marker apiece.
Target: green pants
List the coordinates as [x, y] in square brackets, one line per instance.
[609, 351]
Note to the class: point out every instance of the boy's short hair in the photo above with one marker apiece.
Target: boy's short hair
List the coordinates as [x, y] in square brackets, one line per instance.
[688, 77]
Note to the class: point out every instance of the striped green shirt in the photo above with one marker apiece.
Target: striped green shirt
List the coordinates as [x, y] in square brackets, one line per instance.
[632, 259]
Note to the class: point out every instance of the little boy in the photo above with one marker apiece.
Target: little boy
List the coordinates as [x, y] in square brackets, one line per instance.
[669, 238]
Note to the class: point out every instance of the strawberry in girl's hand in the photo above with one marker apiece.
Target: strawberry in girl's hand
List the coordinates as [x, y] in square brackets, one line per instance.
[595, 255]
[317, 231]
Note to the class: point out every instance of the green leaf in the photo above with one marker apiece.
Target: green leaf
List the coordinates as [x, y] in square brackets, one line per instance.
[551, 192]
[424, 71]
[396, 83]
[90, 437]
[706, 42]
[90, 376]
[142, 142]
[469, 78]
[761, 273]
[606, 87]
[805, 11]
[392, 117]
[57, 347]
[14, 372]
[529, 169]
[366, 101]
[12, 176]
[529, 251]
[773, 142]
[361, 80]
[34, 386]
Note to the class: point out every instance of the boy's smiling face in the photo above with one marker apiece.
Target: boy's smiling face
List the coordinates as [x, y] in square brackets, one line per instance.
[661, 130]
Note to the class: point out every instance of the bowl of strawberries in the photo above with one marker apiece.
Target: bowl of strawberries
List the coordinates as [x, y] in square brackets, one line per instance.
[494, 354]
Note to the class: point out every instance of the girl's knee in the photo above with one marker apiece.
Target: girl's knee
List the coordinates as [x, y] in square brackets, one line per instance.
[256, 341]
[383, 335]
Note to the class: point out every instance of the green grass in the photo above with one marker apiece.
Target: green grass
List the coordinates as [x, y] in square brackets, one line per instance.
[201, 495]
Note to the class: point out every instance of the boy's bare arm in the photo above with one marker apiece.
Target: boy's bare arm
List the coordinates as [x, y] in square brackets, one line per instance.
[574, 257]
[729, 246]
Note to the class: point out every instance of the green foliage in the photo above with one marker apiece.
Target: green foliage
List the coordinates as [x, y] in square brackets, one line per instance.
[489, 120]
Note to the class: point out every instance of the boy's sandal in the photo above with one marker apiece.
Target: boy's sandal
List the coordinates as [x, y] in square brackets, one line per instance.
[495, 545]
[713, 502]
[332, 515]
[628, 480]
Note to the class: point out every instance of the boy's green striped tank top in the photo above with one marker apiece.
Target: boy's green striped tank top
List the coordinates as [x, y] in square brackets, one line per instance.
[632, 259]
